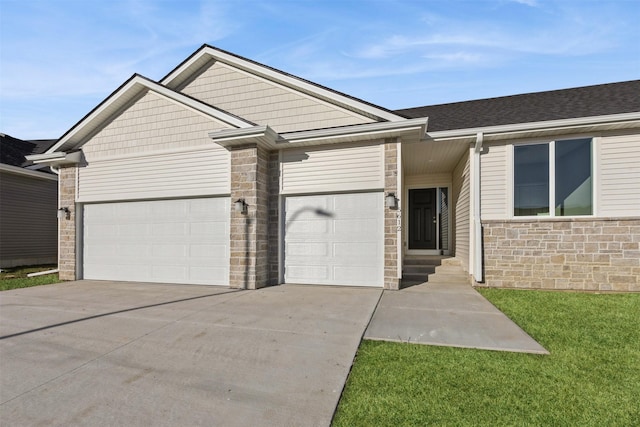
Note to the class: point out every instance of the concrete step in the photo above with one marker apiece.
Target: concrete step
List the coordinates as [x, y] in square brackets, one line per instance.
[449, 269]
[415, 277]
[432, 269]
[406, 283]
[449, 278]
[415, 260]
[419, 269]
[451, 261]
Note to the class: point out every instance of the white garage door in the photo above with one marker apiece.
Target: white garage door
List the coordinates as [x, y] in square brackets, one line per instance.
[335, 239]
[164, 241]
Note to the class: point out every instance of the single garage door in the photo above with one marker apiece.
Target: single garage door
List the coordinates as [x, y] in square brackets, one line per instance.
[335, 239]
[164, 241]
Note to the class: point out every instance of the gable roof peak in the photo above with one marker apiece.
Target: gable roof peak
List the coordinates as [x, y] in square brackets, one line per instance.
[204, 56]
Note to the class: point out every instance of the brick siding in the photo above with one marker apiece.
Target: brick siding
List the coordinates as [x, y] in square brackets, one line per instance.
[578, 254]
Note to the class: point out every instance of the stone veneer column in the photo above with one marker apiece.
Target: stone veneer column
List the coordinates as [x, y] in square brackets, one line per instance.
[249, 233]
[67, 225]
[391, 280]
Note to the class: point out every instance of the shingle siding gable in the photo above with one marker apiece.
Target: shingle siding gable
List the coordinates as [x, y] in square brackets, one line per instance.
[265, 103]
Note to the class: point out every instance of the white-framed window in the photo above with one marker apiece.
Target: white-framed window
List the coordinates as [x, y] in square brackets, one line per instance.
[553, 178]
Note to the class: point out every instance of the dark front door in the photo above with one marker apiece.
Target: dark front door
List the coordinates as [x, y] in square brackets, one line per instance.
[422, 218]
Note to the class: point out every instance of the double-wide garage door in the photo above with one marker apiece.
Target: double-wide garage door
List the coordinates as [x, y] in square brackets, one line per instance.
[335, 239]
[164, 241]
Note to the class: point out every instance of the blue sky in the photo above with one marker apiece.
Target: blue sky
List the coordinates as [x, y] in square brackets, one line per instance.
[60, 58]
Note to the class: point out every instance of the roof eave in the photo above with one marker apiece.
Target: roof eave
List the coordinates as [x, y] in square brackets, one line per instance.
[266, 137]
[522, 130]
[27, 172]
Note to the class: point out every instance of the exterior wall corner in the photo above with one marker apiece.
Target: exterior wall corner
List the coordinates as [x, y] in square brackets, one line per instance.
[67, 225]
[391, 217]
[249, 267]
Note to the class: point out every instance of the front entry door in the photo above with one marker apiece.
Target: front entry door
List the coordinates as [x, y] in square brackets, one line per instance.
[423, 218]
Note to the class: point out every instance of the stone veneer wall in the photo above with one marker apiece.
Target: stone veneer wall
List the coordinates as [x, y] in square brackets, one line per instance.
[249, 232]
[581, 254]
[391, 280]
[67, 225]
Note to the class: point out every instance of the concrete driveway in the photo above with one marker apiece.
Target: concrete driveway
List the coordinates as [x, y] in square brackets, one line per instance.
[113, 353]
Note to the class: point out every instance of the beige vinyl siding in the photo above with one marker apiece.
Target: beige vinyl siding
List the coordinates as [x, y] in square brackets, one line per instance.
[493, 182]
[201, 172]
[28, 222]
[351, 168]
[152, 123]
[266, 103]
[461, 203]
[619, 175]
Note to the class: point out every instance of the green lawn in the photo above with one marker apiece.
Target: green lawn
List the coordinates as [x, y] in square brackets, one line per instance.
[14, 278]
[591, 378]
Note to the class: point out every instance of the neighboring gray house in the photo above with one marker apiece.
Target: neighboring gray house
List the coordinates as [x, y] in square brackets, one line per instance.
[229, 172]
[28, 204]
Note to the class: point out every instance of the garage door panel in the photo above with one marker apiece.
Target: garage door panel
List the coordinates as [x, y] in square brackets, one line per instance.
[306, 249]
[206, 251]
[357, 207]
[355, 252]
[167, 241]
[345, 247]
[168, 273]
[354, 274]
[169, 251]
[306, 205]
[169, 229]
[360, 227]
[308, 226]
[215, 229]
[305, 273]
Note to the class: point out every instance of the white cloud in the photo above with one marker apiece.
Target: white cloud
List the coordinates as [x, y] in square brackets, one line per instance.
[532, 3]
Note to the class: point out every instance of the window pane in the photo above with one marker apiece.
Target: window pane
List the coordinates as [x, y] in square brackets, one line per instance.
[531, 180]
[573, 177]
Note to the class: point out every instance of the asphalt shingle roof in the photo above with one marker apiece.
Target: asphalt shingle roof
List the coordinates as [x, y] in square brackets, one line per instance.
[586, 101]
[13, 150]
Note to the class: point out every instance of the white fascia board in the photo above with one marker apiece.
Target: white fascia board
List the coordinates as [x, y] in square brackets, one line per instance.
[260, 135]
[283, 79]
[268, 138]
[27, 172]
[58, 158]
[520, 128]
[366, 131]
[134, 86]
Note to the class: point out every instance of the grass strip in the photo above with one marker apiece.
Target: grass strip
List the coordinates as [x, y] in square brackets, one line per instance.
[591, 378]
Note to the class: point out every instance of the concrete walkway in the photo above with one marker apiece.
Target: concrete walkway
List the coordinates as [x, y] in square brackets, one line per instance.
[454, 315]
[112, 353]
[98, 353]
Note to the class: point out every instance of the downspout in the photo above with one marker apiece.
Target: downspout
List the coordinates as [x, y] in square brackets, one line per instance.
[477, 224]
